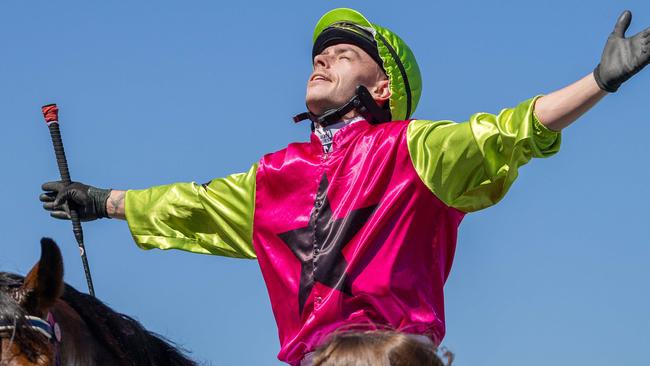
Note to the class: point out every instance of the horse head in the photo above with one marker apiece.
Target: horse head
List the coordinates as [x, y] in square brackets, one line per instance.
[26, 335]
[44, 322]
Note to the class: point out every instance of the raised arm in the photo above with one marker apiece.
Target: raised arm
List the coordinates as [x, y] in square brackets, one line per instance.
[471, 165]
[621, 59]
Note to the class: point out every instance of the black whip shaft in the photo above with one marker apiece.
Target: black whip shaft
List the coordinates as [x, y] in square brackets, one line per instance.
[62, 162]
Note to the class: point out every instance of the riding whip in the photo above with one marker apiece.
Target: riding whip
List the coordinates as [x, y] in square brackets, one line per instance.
[51, 114]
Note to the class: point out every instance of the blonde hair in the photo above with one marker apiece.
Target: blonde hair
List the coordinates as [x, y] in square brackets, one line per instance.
[377, 348]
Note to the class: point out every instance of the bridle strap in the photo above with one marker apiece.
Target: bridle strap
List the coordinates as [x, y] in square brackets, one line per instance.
[49, 328]
[34, 323]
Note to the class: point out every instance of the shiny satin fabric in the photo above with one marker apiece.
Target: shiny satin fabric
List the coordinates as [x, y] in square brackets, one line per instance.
[213, 218]
[399, 190]
[361, 237]
[471, 166]
[394, 267]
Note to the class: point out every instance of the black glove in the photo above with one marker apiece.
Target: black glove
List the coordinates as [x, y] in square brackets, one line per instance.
[88, 201]
[622, 57]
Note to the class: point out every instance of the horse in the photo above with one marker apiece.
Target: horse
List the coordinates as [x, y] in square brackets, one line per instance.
[45, 322]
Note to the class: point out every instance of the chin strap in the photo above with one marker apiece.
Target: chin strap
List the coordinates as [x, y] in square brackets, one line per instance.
[362, 102]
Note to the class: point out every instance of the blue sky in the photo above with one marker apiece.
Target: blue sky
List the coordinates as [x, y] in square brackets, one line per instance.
[159, 92]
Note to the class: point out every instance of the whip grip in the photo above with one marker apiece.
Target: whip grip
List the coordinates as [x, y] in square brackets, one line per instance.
[64, 171]
[51, 114]
[59, 151]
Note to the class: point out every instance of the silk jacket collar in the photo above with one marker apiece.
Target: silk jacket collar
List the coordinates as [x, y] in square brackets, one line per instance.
[343, 137]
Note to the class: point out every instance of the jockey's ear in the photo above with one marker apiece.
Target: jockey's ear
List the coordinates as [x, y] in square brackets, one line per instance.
[381, 91]
[44, 283]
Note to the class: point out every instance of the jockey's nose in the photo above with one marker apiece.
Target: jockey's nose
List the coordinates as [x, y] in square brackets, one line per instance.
[321, 60]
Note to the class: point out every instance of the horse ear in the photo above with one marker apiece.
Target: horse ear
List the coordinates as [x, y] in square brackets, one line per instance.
[44, 283]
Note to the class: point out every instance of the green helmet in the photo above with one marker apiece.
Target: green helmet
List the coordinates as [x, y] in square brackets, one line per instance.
[397, 58]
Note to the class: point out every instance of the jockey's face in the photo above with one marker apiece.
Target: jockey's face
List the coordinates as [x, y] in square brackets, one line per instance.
[337, 72]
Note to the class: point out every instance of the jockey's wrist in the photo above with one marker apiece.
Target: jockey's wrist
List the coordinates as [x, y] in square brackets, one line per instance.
[99, 197]
[115, 204]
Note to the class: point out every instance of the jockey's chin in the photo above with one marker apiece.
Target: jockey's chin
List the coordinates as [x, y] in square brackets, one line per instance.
[319, 100]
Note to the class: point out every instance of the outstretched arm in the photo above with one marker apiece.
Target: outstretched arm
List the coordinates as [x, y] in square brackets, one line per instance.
[621, 59]
[211, 218]
[562, 107]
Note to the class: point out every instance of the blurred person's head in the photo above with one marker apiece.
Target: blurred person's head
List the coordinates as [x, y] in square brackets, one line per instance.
[377, 348]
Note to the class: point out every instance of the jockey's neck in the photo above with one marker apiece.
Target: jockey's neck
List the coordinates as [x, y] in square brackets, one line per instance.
[326, 134]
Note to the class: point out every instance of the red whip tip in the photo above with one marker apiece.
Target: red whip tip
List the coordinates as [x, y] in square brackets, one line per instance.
[51, 113]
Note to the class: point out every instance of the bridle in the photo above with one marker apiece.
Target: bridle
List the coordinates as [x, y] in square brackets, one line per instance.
[46, 327]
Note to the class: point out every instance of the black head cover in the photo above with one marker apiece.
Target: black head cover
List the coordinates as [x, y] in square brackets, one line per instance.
[349, 33]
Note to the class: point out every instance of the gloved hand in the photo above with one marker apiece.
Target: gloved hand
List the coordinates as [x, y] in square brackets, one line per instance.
[88, 201]
[622, 57]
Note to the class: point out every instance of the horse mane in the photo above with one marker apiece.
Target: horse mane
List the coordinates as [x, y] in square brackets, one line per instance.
[122, 335]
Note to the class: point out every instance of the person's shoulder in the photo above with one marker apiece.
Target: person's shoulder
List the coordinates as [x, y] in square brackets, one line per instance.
[303, 147]
[392, 127]
[396, 124]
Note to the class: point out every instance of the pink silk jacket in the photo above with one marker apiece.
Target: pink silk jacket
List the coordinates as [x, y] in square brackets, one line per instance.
[362, 237]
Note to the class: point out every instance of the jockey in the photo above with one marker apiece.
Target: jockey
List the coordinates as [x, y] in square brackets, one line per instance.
[358, 226]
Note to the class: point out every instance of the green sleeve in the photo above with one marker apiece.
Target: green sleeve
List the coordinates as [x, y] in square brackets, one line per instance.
[471, 165]
[214, 218]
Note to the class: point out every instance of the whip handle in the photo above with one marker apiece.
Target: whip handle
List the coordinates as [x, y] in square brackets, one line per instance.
[62, 163]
